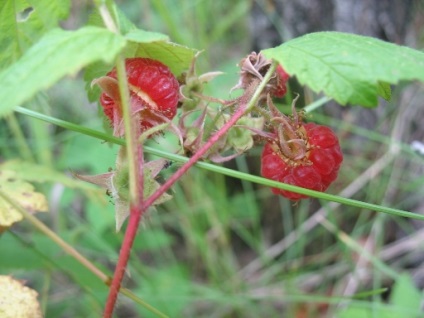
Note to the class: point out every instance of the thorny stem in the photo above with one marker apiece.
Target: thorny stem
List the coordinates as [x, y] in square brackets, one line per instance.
[124, 255]
[134, 149]
[244, 107]
[136, 211]
[134, 157]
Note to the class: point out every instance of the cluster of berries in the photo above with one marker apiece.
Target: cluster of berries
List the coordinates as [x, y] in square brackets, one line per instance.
[297, 153]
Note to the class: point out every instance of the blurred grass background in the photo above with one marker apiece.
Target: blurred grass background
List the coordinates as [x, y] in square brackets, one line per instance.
[225, 247]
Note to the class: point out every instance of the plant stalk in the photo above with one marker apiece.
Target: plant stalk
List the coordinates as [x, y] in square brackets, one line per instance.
[137, 204]
[23, 146]
[55, 238]
[244, 107]
[75, 254]
[134, 157]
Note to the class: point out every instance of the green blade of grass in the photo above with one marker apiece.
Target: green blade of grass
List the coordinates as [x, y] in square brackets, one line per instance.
[222, 170]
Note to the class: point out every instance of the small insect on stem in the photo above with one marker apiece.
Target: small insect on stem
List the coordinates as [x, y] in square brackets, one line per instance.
[168, 164]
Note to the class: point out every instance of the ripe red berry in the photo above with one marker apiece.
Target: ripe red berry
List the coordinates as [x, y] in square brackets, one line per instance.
[154, 92]
[309, 156]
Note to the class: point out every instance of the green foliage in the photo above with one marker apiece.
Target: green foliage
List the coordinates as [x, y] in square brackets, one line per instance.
[349, 68]
[405, 294]
[57, 54]
[23, 22]
[140, 43]
[169, 290]
[405, 301]
[177, 57]
[194, 256]
[40, 173]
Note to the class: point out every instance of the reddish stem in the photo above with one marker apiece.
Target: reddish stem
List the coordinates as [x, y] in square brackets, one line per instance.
[137, 210]
[192, 161]
[134, 220]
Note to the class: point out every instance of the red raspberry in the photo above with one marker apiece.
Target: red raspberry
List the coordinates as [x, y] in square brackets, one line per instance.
[310, 158]
[154, 92]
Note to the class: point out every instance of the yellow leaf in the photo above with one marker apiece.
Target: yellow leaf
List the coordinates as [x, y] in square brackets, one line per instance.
[18, 300]
[20, 192]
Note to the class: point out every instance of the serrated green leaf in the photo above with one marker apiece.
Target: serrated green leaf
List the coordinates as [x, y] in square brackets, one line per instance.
[10, 50]
[348, 67]
[57, 54]
[23, 22]
[44, 14]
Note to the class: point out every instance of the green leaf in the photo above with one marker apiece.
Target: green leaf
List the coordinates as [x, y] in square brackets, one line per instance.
[48, 12]
[347, 67]
[405, 294]
[176, 57]
[92, 72]
[154, 240]
[154, 45]
[384, 90]
[378, 310]
[23, 22]
[10, 50]
[27, 258]
[405, 301]
[34, 172]
[141, 36]
[57, 54]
